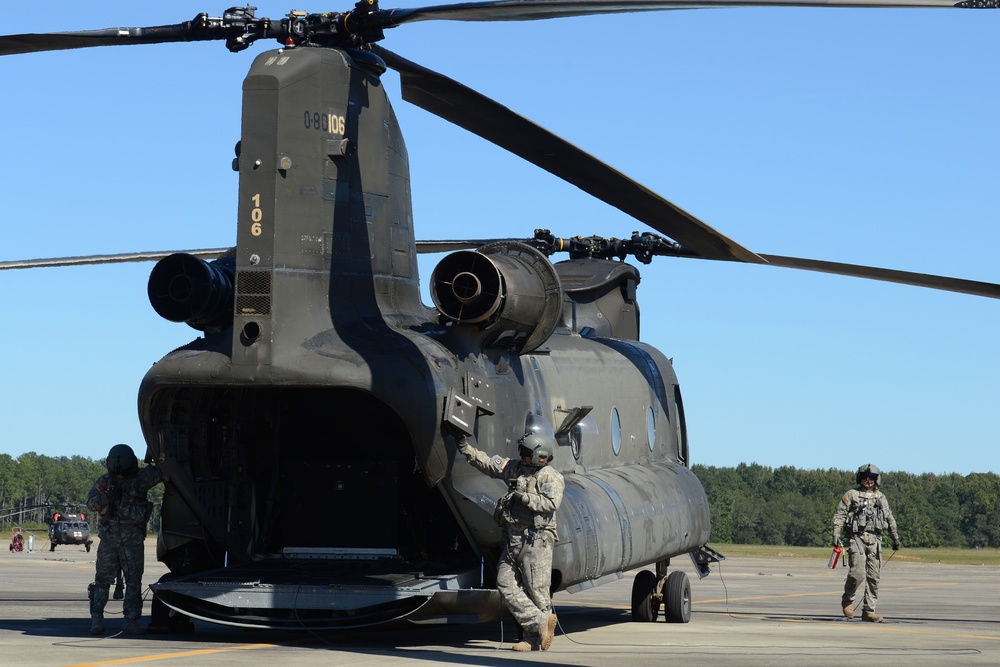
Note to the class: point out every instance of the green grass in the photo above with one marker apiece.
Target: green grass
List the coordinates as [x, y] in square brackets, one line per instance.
[947, 555]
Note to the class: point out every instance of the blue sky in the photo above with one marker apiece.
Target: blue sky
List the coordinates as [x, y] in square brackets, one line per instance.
[862, 136]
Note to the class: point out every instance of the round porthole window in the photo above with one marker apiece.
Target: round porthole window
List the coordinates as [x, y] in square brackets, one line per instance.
[616, 431]
[650, 428]
[584, 435]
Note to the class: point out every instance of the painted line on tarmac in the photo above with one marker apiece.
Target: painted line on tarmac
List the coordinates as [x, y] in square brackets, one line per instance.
[726, 600]
[838, 622]
[856, 625]
[169, 656]
[839, 591]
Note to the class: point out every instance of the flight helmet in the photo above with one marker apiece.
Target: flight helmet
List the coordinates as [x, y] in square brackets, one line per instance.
[540, 447]
[122, 461]
[868, 470]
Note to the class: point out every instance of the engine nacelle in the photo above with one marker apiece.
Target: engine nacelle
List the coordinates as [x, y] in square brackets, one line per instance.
[507, 289]
[184, 288]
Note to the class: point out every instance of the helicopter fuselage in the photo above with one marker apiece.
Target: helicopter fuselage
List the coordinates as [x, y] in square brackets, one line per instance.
[310, 481]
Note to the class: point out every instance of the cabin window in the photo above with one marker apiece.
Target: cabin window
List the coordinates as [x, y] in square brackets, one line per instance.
[584, 434]
[682, 442]
[650, 428]
[616, 431]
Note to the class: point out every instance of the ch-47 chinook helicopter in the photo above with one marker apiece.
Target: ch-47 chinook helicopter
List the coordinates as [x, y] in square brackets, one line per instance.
[321, 371]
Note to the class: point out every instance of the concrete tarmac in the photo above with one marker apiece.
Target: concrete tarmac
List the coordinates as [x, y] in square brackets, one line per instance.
[750, 611]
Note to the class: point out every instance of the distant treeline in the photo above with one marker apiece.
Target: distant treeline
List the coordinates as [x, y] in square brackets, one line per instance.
[31, 485]
[754, 504]
[750, 504]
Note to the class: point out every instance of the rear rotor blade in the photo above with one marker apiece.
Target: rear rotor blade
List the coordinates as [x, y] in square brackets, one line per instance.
[963, 286]
[430, 247]
[58, 41]
[534, 10]
[930, 281]
[237, 26]
[364, 24]
[83, 260]
[496, 123]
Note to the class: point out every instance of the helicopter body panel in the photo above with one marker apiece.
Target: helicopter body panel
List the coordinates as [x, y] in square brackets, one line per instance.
[246, 459]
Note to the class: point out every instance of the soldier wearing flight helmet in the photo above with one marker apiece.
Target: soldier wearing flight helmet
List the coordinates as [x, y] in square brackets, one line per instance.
[527, 514]
[119, 499]
[862, 515]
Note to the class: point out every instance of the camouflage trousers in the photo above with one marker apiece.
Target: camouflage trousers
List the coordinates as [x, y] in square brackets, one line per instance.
[865, 559]
[119, 549]
[524, 576]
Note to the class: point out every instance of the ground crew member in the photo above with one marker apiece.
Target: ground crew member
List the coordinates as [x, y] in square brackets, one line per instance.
[120, 499]
[527, 514]
[862, 515]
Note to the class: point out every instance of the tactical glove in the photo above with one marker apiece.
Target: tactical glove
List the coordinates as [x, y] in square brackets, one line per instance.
[464, 446]
[521, 497]
[836, 541]
[896, 546]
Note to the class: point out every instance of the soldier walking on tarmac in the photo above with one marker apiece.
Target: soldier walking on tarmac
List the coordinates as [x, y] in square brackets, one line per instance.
[862, 515]
[119, 497]
[527, 514]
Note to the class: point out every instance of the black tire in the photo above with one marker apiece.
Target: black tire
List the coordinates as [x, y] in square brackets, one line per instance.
[645, 603]
[677, 598]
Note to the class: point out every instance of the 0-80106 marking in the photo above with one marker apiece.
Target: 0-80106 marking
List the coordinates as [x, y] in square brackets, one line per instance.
[330, 123]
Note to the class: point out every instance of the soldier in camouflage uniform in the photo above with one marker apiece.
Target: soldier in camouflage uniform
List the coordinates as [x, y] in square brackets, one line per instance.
[119, 498]
[527, 514]
[863, 513]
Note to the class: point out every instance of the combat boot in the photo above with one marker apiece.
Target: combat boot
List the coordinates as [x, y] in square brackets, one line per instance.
[132, 627]
[849, 610]
[97, 624]
[530, 642]
[871, 617]
[547, 631]
[119, 593]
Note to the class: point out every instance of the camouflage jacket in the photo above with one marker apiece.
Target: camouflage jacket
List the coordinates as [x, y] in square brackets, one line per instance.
[123, 502]
[861, 511]
[543, 486]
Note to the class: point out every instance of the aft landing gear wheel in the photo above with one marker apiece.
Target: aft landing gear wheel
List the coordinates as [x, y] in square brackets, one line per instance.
[677, 598]
[645, 601]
